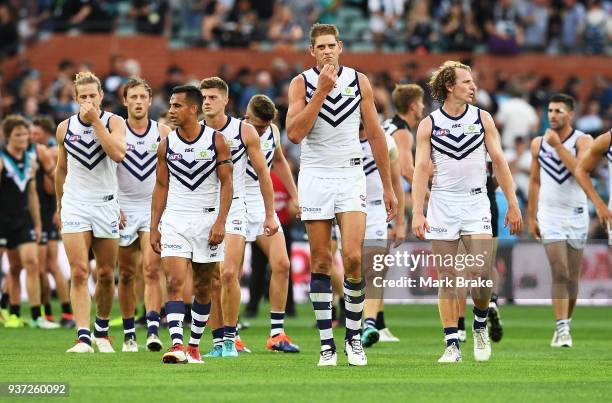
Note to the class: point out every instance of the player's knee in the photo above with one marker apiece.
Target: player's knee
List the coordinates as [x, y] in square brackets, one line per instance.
[561, 276]
[105, 277]
[228, 277]
[202, 290]
[280, 266]
[352, 259]
[79, 275]
[151, 273]
[126, 277]
[321, 262]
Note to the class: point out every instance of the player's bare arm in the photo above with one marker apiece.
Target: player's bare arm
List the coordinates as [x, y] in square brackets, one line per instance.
[405, 140]
[398, 189]
[421, 178]
[160, 195]
[378, 143]
[534, 190]
[224, 173]
[250, 138]
[502, 172]
[61, 169]
[586, 164]
[301, 116]
[283, 170]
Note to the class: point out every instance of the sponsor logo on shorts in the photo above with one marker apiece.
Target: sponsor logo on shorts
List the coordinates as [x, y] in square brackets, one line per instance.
[380, 233]
[171, 246]
[438, 229]
[213, 254]
[441, 132]
[362, 197]
[176, 156]
[237, 228]
[73, 137]
[310, 209]
[486, 219]
[237, 222]
[71, 223]
[214, 247]
[125, 237]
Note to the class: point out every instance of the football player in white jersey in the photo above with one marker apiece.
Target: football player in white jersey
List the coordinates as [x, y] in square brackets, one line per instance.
[601, 148]
[378, 238]
[91, 144]
[193, 191]
[260, 113]
[136, 179]
[456, 137]
[557, 210]
[243, 141]
[326, 105]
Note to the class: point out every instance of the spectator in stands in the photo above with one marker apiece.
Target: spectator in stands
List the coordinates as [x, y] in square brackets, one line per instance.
[534, 17]
[598, 28]
[151, 17]
[459, 29]
[591, 122]
[82, 15]
[384, 20]
[419, 32]
[174, 76]
[283, 32]
[516, 117]
[64, 106]
[328, 11]
[215, 13]
[572, 25]
[505, 34]
[66, 71]
[602, 92]
[240, 28]
[262, 85]
[9, 39]
[519, 161]
[115, 77]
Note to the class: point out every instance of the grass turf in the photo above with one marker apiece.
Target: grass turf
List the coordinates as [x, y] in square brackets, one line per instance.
[523, 366]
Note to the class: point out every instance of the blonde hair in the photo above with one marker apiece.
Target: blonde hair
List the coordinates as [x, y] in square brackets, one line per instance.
[136, 81]
[443, 76]
[323, 29]
[84, 78]
[405, 94]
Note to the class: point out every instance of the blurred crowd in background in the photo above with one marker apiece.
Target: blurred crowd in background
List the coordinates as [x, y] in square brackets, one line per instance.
[496, 26]
[517, 102]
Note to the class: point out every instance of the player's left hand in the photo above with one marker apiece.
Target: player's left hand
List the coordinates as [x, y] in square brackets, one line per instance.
[514, 219]
[390, 204]
[122, 219]
[552, 138]
[399, 235]
[270, 226]
[217, 233]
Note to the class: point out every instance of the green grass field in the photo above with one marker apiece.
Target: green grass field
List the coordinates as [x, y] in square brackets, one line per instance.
[523, 366]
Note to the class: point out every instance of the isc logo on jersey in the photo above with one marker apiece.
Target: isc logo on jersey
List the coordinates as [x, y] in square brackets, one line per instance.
[204, 155]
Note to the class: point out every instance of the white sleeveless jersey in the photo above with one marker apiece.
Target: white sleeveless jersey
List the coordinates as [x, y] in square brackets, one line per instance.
[268, 145]
[558, 187]
[232, 131]
[333, 141]
[458, 151]
[374, 187]
[136, 173]
[609, 156]
[91, 175]
[194, 184]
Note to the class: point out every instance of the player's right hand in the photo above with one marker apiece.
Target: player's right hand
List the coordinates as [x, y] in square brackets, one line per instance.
[605, 216]
[419, 225]
[327, 79]
[155, 240]
[534, 229]
[217, 233]
[122, 219]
